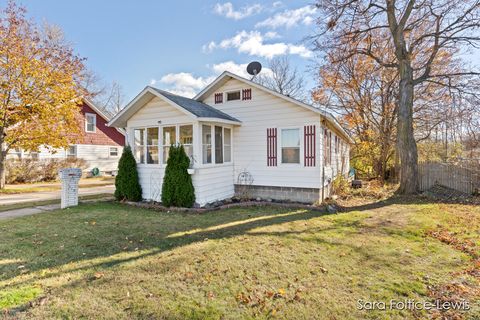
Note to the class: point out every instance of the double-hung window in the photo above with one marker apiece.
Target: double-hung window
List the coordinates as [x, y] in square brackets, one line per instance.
[218, 144]
[290, 145]
[90, 122]
[227, 145]
[206, 144]
[72, 152]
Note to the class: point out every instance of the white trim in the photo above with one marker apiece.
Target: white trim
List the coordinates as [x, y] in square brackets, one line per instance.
[202, 94]
[148, 89]
[94, 115]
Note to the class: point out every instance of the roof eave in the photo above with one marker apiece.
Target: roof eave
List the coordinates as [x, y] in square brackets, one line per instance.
[220, 120]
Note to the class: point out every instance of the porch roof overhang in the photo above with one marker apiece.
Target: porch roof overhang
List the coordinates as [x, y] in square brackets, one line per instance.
[195, 109]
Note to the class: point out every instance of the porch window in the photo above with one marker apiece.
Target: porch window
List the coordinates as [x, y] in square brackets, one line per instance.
[206, 144]
[227, 145]
[290, 146]
[218, 144]
[152, 145]
[139, 145]
[186, 139]
[169, 138]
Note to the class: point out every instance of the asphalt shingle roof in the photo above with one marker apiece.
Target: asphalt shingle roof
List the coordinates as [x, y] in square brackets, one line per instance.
[198, 108]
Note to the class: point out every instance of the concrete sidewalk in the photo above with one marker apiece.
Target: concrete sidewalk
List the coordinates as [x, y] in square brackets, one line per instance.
[6, 199]
[28, 211]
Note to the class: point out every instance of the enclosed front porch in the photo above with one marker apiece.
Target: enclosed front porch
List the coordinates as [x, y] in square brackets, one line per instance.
[208, 144]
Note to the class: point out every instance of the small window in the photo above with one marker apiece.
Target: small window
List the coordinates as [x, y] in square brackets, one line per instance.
[90, 122]
[139, 145]
[218, 144]
[227, 145]
[34, 155]
[169, 138]
[113, 152]
[206, 144]
[234, 95]
[290, 145]
[72, 152]
[152, 145]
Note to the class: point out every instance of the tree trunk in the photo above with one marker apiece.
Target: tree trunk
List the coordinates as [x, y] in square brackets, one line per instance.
[407, 147]
[3, 158]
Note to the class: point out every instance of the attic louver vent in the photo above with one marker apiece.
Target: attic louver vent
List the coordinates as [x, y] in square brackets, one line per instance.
[247, 94]
[218, 98]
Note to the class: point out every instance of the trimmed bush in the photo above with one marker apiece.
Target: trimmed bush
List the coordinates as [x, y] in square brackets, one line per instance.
[177, 188]
[127, 186]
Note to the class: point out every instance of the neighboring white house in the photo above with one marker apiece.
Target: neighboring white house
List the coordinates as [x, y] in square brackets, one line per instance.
[98, 144]
[242, 136]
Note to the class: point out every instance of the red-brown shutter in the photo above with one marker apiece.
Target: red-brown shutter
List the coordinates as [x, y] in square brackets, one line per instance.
[309, 146]
[218, 98]
[247, 94]
[272, 147]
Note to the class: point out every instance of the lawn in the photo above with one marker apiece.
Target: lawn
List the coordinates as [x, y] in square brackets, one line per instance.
[109, 260]
[55, 185]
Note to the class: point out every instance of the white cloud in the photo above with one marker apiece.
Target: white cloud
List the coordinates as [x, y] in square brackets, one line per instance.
[252, 43]
[187, 85]
[227, 10]
[290, 18]
[182, 83]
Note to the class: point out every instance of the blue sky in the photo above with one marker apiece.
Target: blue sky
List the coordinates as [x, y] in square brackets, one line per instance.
[179, 45]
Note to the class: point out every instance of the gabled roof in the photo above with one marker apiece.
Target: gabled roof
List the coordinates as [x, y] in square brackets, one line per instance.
[198, 108]
[195, 109]
[96, 109]
[226, 75]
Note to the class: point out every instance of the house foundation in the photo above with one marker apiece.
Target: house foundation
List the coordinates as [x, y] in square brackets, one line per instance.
[304, 195]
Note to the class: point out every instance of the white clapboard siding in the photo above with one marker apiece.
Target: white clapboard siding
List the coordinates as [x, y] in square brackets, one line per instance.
[211, 183]
[157, 110]
[98, 156]
[250, 142]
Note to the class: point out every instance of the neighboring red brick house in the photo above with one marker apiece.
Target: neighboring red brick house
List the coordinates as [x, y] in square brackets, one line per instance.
[98, 144]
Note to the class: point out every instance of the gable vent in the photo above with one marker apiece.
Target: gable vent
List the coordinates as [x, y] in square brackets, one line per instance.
[247, 94]
[218, 98]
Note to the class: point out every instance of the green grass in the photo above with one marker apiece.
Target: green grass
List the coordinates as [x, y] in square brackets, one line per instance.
[15, 206]
[112, 261]
[54, 186]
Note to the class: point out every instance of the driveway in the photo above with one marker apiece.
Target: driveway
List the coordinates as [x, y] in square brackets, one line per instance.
[6, 199]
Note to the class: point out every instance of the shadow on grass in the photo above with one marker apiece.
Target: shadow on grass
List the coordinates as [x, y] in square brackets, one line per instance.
[101, 231]
[54, 239]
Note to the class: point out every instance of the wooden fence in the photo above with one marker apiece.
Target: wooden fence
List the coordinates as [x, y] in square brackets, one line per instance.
[456, 177]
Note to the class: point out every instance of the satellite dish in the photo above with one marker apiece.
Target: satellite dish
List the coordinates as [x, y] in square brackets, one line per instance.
[254, 68]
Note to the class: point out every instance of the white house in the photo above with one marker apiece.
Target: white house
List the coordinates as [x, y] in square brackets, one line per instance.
[242, 136]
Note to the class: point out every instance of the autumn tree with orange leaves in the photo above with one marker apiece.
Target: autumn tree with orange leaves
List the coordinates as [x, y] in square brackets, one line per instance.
[417, 33]
[39, 86]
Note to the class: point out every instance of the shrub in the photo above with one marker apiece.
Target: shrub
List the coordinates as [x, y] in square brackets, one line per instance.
[30, 170]
[127, 186]
[177, 188]
[340, 185]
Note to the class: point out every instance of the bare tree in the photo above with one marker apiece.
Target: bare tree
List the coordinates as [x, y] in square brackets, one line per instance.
[113, 99]
[283, 78]
[419, 33]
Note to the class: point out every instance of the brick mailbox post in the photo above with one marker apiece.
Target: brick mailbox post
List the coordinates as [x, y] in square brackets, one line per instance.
[70, 178]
